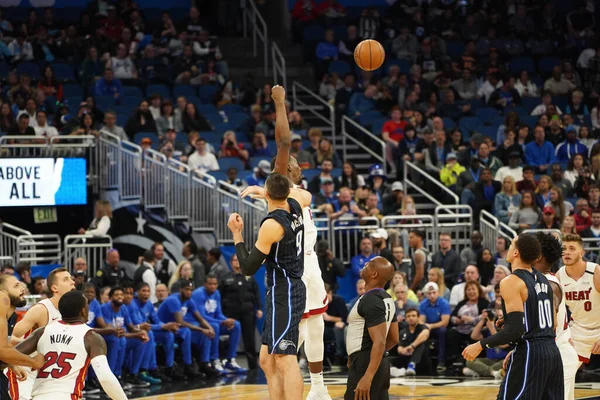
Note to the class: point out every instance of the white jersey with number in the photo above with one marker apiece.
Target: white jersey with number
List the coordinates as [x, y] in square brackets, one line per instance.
[26, 386]
[563, 333]
[67, 360]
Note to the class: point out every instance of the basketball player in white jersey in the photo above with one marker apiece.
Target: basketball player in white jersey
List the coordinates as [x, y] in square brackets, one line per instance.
[551, 253]
[581, 284]
[43, 313]
[69, 347]
[312, 325]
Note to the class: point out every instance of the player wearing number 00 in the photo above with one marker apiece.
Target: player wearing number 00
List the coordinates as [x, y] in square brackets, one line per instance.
[281, 243]
[69, 347]
[534, 369]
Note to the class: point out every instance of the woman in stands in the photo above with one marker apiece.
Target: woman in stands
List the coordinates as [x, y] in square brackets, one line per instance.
[528, 215]
[7, 119]
[456, 140]
[350, 177]
[400, 278]
[561, 207]
[184, 271]
[525, 86]
[486, 266]
[325, 151]
[167, 119]
[507, 201]
[140, 121]
[585, 136]
[263, 97]
[568, 226]
[574, 166]
[50, 85]
[436, 275]
[193, 121]
[542, 192]
[87, 126]
[100, 225]
[511, 122]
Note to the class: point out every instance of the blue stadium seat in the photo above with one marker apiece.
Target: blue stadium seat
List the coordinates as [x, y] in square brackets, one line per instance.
[72, 89]
[470, 124]
[369, 117]
[518, 64]
[340, 67]
[216, 119]
[546, 64]
[122, 119]
[309, 174]
[211, 136]
[181, 137]
[232, 109]
[184, 90]
[377, 126]
[313, 33]
[336, 172]
[489, 131]
[340, 32]
[73, 102]
[228, 162]
[126, 109]
[241, 137]
[137, 138]
[561, 102]
[486, 115]
[205, 109]
[238, 121]
[499, 120]
[4, 70]
[134, 100]
[272, 146]
[244, 174]
[530, 120]
[29, 68]
[449, 123]
[63, 72]
[476, 104]
[105, 103]
[403, 64]
[220, 175]
[521, 111]
[455, 49]
[207, 93]
[163, 90]
[255, 160]
[529, 103]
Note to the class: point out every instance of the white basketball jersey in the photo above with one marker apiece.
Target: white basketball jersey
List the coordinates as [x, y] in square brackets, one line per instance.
[53, 313]
[310, 229]
[563, 333]
[582, 298]
[67, 360]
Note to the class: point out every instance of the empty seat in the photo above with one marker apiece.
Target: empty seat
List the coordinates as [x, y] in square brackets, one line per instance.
[518, 64]
[486, 114]
[255, 160]
[207, 93]
[29, 68]
[230, 162]
[470, 124]
[162, 90]
[63, 72]
[340, 67]
[184, 90]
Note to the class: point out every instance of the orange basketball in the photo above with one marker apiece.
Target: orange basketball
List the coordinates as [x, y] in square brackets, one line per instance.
[369, 55]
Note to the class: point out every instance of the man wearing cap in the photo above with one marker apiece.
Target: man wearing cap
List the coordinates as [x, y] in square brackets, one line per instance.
[465, 156]
[451, 171]
[379, 239]
[325, 198]
[304, 158]
[193, 329]
[548, 219]
[267, 125]
[260, 175]
[111, 274]
[435, 314]
[315, 184]
[392, 203]
[540, 153]
[567, 149]
[513, 168]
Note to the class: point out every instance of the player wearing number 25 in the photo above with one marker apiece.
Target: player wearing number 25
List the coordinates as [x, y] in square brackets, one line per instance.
[69, 346]
[281, 243]
[534, 368]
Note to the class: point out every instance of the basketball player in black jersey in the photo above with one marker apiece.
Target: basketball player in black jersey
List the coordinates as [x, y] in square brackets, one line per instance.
[535, 368]
[281, 243]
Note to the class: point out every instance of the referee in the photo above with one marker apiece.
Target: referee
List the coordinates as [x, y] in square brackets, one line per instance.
[371, 332]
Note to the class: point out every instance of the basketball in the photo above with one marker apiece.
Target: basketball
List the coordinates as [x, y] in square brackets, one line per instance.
[369, 55]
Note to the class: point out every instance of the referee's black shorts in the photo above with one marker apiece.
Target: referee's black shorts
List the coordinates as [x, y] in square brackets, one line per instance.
[359, 362]
[284, 307]
[534, 371]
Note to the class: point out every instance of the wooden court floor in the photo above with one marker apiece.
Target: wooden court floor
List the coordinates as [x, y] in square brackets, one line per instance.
[419, 390]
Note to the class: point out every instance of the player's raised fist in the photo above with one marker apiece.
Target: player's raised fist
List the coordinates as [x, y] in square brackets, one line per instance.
[278, 93]
[235, 223]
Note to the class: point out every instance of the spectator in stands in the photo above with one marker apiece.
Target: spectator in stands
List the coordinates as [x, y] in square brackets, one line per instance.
[465, 184]
[470, 254]
[86, 127]
[231, 148]
[164, 267]
[182, 271]
[369, 209]
[571, 146]
[413, 347]
[457, 294]
[558, 85]
[485, 192]
[350, 177]
[486, 267]
[393, 132]
[335, 323]
[506, 96]
[101, 224]
[24, 272]
[420, 259]
[92, 65]
[376, 182]
[7, 269]
[525, 87]
[577, 107]
[407, 149]
[451, 109]
[304, 14]
[214, 264]
[492, 364]
[140, 121]
[514, 168]
[260, 175]
[180, 308]
[42, 128]
[344, 95]
[324, 196]
[487, 160]
[23, 127]
[110, 126]
[584, 182]
[400, 263]
[325, 52]
[361, 103]
[201, 160]
[558, 180]
[546, 103]
[39, 286]
[207, 300]
[360, 290]
[330, 266]
[528, 182]
[549, 220]
[568, 226]
[326, 152]
[403, 296]
[50, 85]
[267, 125]
[342, 206]
[190, 252]
[108, 85]
[347, 45]
[30, 110]
[259, 146]
[326, 168]
[122, 65]
[431, 106]
[555, 133]
[366, 254]
[543, 191]
[489, 86]
[575, 164]
[435, 314]
[539, 153]
[501, 251]
[379, 239]
[194, 121]
[435, 155]
[561, 207]
[20, 49]
[447, 259]
[7, 119]
[507, 201]
[392, 203]
[466, 86]
[436, 275]
[527, 216]
[593, 231]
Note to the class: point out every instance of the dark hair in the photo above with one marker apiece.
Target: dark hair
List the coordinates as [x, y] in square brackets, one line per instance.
[23, 266]
[71, 304]
[533, 202]
[7, 266]
[551, 247]
[419, 233]
[572, 237]
[113, 290]
[141, 285]
[23, 116]
[529, 248]
[211, 275]
[278, 187]
[351, 182]
[126, 284]
[571, 162]
[412, 310]
[193, 247]
[88, 285]
[155, 245]
[149, 256]
[215, 252]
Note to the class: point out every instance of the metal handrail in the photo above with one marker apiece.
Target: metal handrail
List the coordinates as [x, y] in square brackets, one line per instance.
[251, 13]
[345, 135]
[506, 231]
[409, 165]
[279, 67]
[300, 105]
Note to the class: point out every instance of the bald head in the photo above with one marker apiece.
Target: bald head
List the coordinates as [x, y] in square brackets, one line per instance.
[377, 272]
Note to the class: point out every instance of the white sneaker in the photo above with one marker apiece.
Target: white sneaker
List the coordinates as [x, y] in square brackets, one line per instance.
[397, 372]
[497, 374]
[303, 363]
[218, 366]
[318, 394]
[469, 372]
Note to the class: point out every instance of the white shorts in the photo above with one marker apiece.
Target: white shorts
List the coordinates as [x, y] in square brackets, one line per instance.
[584, 341]
[26, 386]
[316, 296]
[570, 365]
[54, 396]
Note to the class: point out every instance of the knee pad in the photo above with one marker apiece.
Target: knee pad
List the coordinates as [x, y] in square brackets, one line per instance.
[314, 346]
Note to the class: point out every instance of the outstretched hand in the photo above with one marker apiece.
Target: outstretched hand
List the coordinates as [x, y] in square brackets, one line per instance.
[254, 192]
[278, 93]
[235, 223]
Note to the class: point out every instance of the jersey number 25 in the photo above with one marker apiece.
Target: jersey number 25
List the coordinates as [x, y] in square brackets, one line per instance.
[56, 365]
